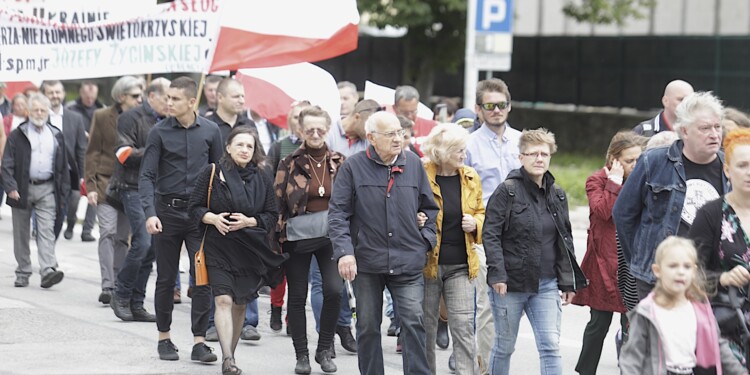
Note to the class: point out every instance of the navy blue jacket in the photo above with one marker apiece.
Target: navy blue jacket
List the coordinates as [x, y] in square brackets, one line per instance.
[376, 224]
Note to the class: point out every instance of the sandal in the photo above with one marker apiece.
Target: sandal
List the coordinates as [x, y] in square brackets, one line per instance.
[229, 368]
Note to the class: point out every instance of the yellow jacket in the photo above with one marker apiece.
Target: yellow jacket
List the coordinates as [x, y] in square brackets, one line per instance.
[471, 203]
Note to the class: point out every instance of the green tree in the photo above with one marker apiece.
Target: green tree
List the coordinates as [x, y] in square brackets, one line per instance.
[605, 12]
[436, 38]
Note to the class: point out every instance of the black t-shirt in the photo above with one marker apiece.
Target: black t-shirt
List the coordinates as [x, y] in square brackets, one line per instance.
[452, 241]
[548, 251]
[704, 184]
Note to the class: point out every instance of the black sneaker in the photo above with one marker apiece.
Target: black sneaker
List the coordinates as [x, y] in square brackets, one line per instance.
[105, 296]
[203, 353]
[121, 308]
[392, 328]
[323, 357]
[167, 350]
[22, 281]
[140, 314]
[303, 365]
[275, 322]
[347, 340]
[51, 278]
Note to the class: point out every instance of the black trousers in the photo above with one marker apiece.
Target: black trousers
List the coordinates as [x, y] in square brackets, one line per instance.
[297, 271]
[593, 340]
[176, 229]
[643, 288]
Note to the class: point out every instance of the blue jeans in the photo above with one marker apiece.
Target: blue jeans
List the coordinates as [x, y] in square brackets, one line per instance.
[408, 293]
[251, 314]
[135, 270]
[544, 310]
[316, 299]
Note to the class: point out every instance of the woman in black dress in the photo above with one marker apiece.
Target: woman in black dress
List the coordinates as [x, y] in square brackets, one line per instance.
[238, 257]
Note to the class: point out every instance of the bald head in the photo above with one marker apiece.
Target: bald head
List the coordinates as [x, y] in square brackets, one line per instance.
[673, 95]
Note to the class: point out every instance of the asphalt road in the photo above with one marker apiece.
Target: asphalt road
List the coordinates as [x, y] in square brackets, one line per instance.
[65, 330]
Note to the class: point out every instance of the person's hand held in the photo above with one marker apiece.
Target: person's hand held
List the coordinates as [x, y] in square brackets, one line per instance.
[93, 198]
[14, 195]
[421, 219]
[468, 223]
[738, 276]
[221, 222]
[348, 267]
[500, 288]
[567, 297]
[153, 225]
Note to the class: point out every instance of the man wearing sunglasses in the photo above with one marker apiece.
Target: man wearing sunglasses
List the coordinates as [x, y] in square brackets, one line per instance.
[493, 151]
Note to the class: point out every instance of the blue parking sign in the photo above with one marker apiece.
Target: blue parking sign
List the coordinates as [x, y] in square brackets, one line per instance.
[494, 16]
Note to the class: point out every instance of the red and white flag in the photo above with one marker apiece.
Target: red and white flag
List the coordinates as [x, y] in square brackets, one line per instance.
[271, 91]
[280, 32]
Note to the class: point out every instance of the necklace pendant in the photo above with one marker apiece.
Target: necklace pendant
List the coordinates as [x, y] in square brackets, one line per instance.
[321, 191]
[318, 165]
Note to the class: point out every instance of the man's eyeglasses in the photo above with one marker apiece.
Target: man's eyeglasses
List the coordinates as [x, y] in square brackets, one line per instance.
[535, 155]
[311, 132]
[492, 106]
[373, 109]
[391, 135]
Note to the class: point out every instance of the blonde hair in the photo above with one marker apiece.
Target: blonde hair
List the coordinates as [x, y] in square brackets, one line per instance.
[696, 290]
[536, 137]
[443, 140]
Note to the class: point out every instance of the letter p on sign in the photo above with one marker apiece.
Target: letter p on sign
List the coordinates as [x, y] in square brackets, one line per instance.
[494, 16]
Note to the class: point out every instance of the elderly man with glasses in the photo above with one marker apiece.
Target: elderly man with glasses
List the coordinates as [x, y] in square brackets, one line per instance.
[381, 221]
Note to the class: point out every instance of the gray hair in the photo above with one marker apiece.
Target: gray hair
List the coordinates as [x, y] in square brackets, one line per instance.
[443, 140]
[348, 85]
[379, 118]
[39, 98]
[158, 85]
[662, 139]
[406, 93]
[123, 85]
[695, 104]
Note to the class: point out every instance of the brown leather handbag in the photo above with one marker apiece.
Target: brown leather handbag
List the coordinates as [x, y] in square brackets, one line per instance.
[201, 273]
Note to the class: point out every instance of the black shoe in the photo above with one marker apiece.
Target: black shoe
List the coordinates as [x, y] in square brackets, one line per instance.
[393, 328]
[452, 363]
[121, 308]
[323, 357]
[399, 347]
[275, 322]
[105, 296]
[333, 350]
[87, 237]
[303, 365]
[140, 314]
[442, 339]
[68, 233]
[347, 340]
[167, 350]
[203, 353]
[22, 281]
[51, 278]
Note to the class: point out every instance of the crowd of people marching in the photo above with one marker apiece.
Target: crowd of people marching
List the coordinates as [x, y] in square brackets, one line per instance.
[465, 231]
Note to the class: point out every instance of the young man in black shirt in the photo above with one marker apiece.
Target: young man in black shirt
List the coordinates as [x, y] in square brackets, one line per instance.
[177, 149]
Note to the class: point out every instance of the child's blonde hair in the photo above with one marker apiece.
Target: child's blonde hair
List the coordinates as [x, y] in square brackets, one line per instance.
[696, 290]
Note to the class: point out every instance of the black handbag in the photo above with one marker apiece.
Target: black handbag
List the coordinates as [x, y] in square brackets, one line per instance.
[112, 197]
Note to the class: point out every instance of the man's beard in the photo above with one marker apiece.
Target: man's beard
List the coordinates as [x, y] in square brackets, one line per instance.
[37, 123]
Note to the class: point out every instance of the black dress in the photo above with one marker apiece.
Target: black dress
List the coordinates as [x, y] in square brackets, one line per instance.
[238, 263]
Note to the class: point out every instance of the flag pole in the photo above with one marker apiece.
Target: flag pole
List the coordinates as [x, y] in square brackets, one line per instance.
[200, 89]
[148, 79]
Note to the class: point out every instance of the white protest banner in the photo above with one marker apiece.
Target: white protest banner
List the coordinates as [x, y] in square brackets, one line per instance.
[80, 11]
[177, 37]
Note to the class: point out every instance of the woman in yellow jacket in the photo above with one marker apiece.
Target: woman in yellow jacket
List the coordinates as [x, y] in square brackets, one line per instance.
[453, 264]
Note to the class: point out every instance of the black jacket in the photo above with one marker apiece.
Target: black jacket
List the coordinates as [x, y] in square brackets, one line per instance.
[16, 161]
[133, 127]
[377, 226]
[513, 248]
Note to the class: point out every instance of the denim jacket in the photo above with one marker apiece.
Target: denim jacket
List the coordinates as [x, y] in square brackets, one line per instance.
[649, 207]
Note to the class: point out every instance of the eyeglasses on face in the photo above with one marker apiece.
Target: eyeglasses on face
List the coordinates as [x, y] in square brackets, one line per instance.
[312, 131]
[373, 109]
[136, 96]
[492, 106]
[391, 135]
[544, 155]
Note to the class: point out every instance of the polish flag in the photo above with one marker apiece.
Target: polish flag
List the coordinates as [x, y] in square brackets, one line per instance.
[271, 91]
[14, 88]
[282, 32]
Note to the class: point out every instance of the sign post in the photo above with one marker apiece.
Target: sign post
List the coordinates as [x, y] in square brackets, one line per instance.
[489, 41]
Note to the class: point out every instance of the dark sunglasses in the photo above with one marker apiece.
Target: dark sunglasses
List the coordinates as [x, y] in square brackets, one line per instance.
[492, 106]
[135, 96]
